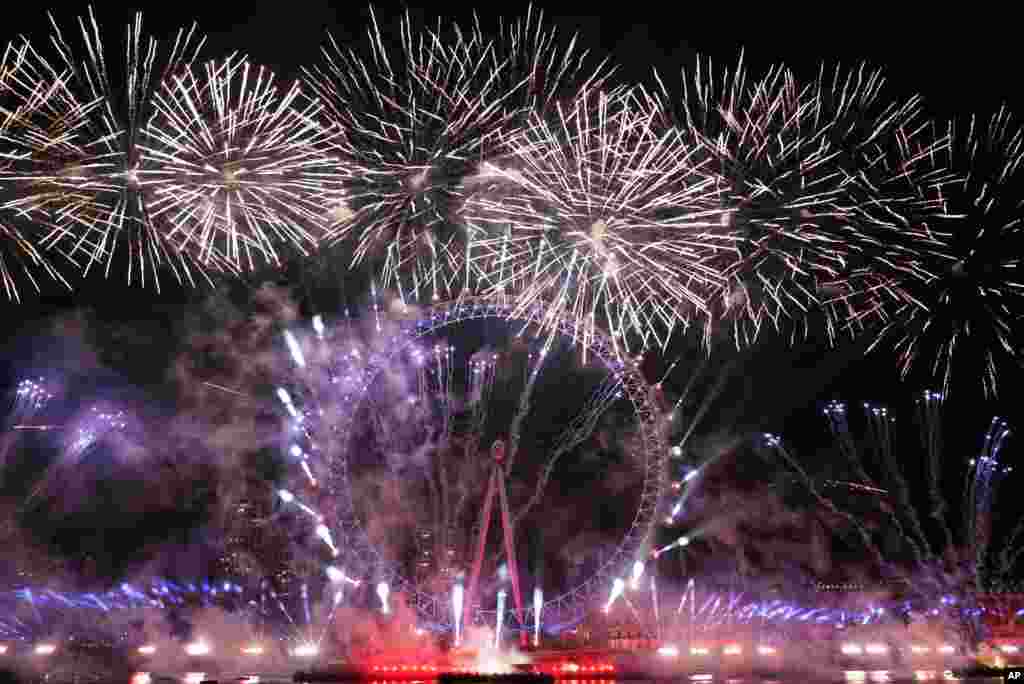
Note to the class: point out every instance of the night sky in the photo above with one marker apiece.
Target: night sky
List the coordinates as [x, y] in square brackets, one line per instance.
[958, 64]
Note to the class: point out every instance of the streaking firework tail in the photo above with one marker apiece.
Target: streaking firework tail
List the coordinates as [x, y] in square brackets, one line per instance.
[966, 563]
[930, 419]
[324, 533]
[602, 218]
[682, 542]
[981, 494]
[879, 427]
[93, 427]
[655, 607]
[237, 164]
[774, 442]
[878, 417]
[76, 169]
[321, 531]
[295, 349]
[31, 398]
[338, 576]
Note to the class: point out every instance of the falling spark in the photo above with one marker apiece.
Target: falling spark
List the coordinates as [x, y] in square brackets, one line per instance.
[538, 608]
[457, 598]
[383, 591]
[618, 586]
[294, 349]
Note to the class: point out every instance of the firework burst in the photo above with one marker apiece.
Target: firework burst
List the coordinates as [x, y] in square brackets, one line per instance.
[26, 116]
[18, 256]
[600, 216]
[419, 120]
[415, 120]
[964, 306]
[74, 166]
[236, 164]
[810, 175]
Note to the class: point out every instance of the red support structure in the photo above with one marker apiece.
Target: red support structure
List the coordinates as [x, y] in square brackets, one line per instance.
[496, 482]
[510, 553]
[478, 557]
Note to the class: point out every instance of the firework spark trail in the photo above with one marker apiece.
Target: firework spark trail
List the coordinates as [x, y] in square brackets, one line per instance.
[878, 421]
[31, 397]
[515, 430]
[100, 423]
[968, 565]
[1012, 552]
[481, 384]
[91, 429]
[79, 172]
[228, 390]
[973, 289]
[836, 414]
[19, 258]
[238, 165]
[580, 429]
[689, 597]
[708, 401]
[981, 496]
[774, 442]
[284, 609]
[930, 420]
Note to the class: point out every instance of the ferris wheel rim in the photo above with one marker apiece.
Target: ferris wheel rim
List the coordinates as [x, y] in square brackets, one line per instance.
[652, 444]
